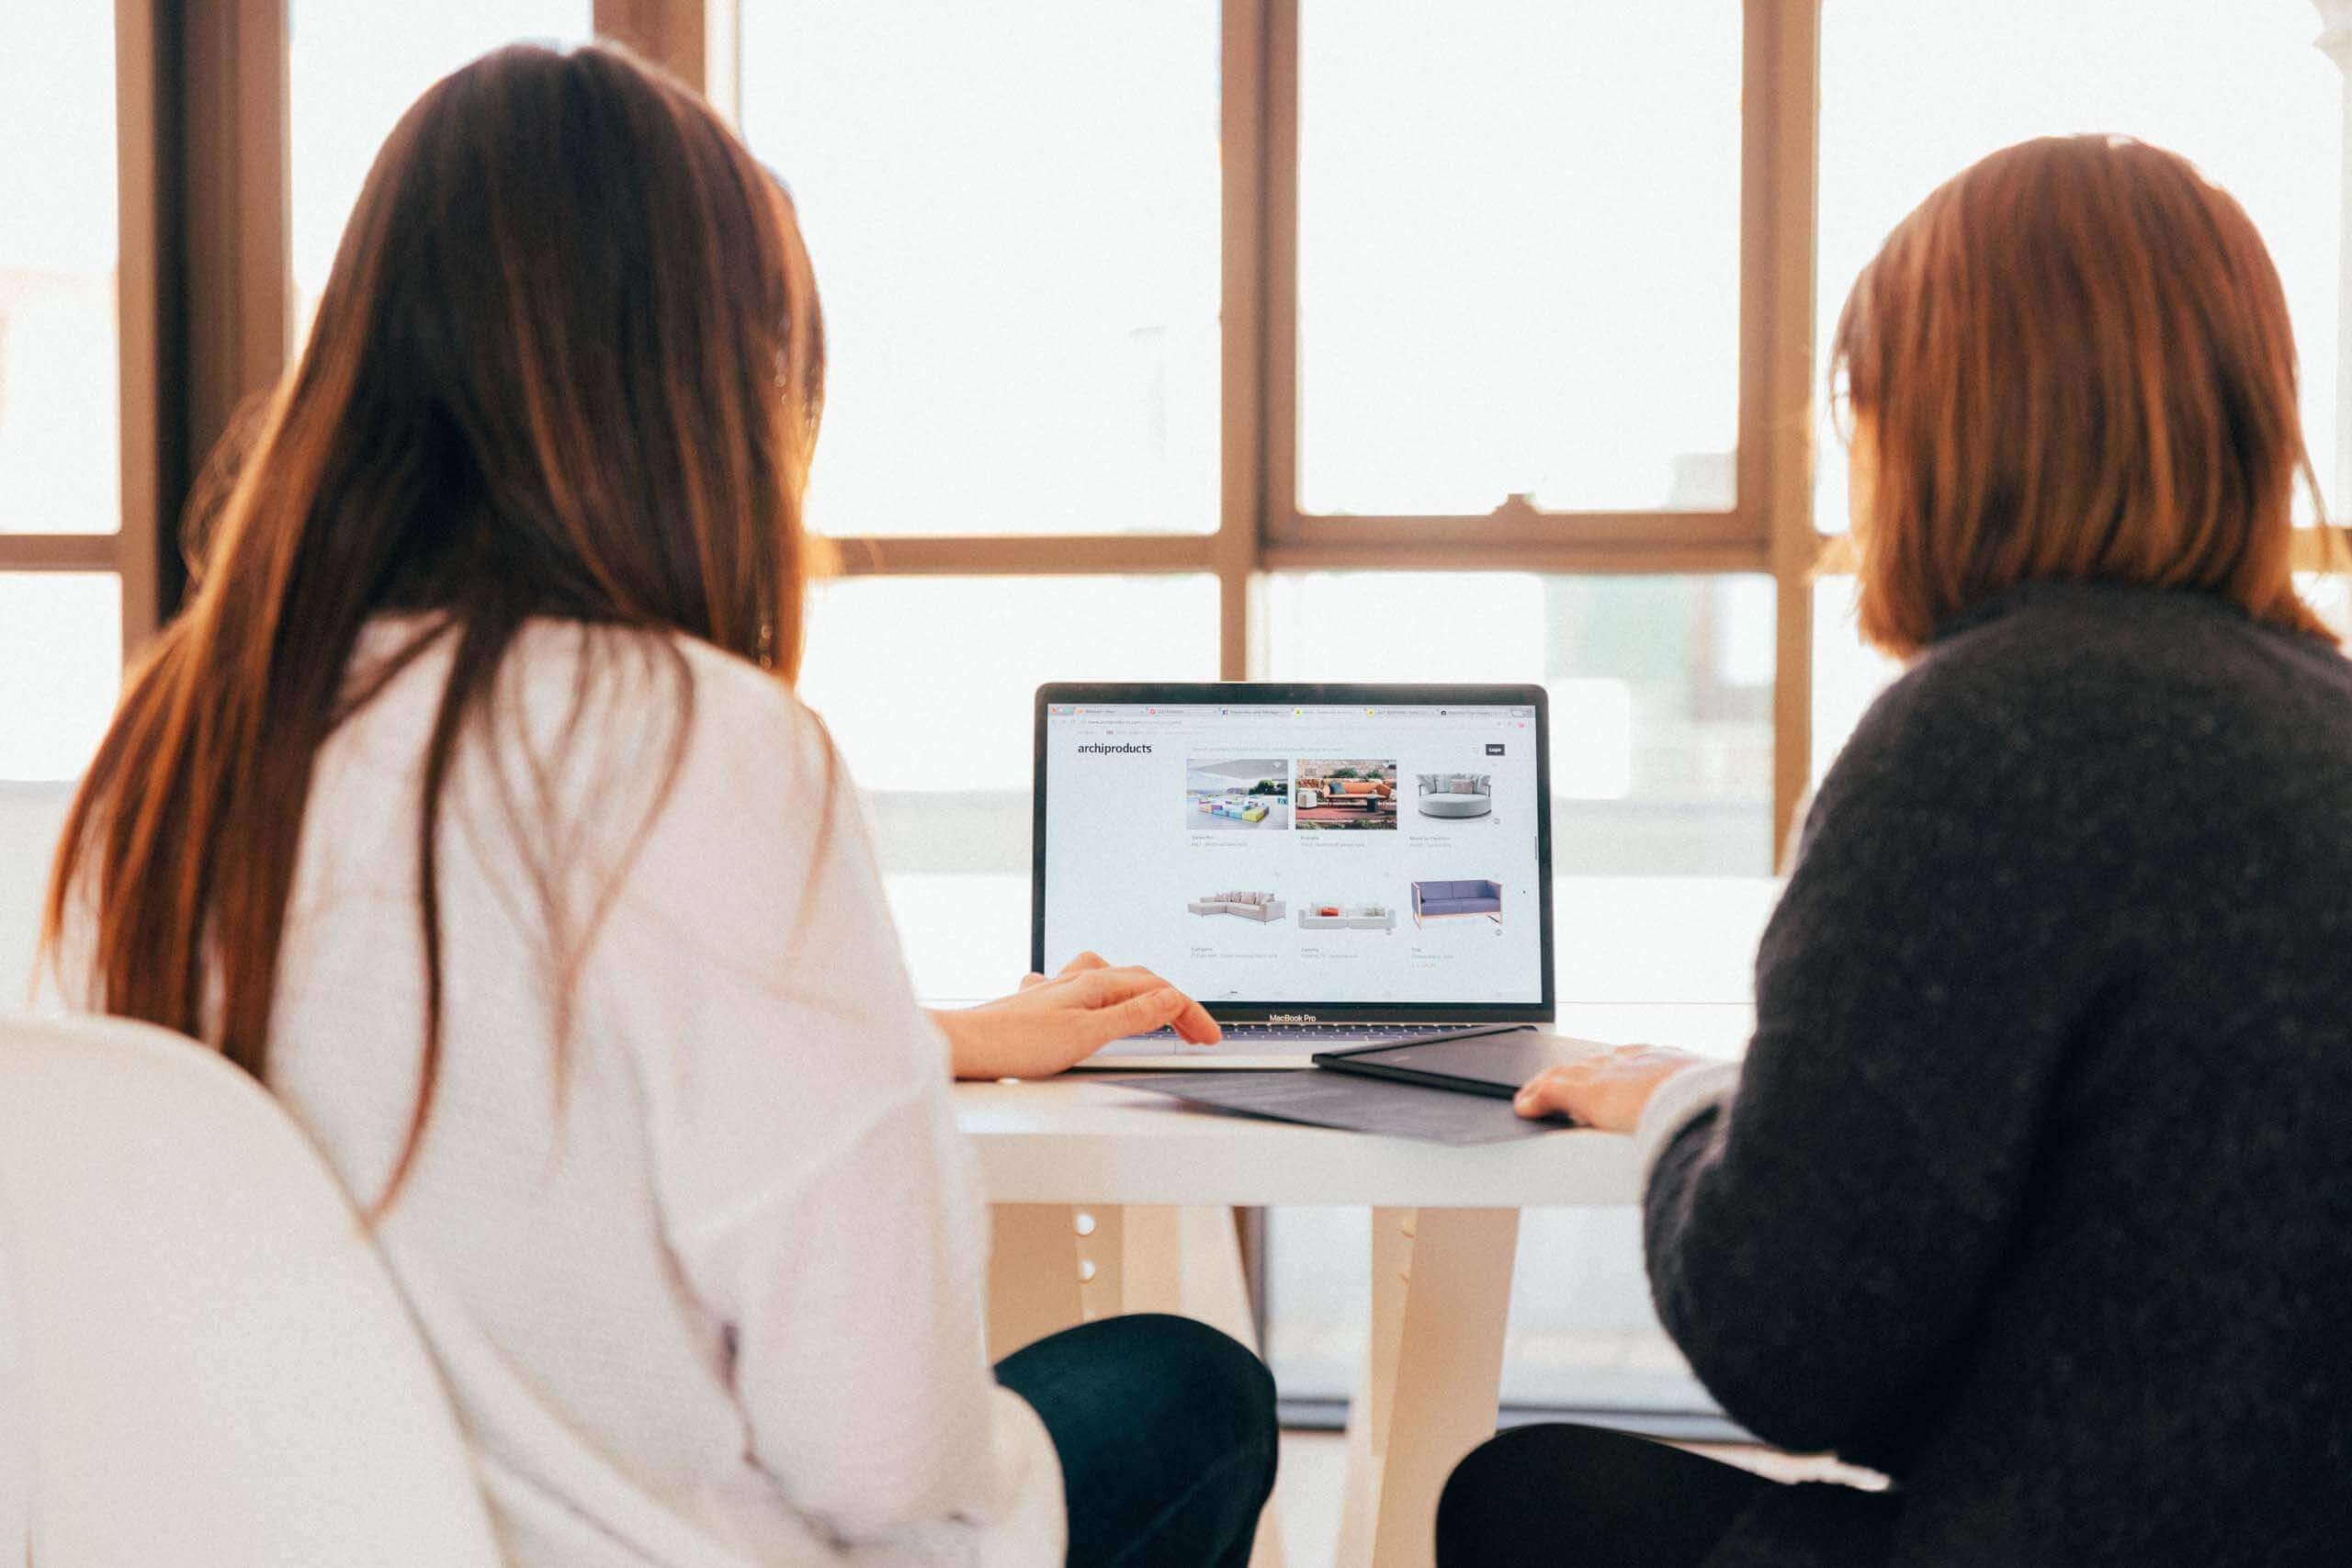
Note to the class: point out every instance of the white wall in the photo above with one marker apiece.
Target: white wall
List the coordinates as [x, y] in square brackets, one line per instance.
[30, 816]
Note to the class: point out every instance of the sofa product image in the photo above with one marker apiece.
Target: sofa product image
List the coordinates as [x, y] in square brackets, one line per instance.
[1437, 900]
[1324, 801]
[1248, 808]
[1455, 794]
[1363, 793]
[1259, 906]
[1348, 917]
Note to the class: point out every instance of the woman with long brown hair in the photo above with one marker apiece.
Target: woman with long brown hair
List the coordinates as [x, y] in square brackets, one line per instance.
[469, 808]
[2029, 1192]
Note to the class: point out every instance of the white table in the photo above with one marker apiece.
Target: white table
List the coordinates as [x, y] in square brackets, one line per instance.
[1111, 1199]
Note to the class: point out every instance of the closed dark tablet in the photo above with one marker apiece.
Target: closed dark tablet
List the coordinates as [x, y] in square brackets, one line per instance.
[1493, 1064]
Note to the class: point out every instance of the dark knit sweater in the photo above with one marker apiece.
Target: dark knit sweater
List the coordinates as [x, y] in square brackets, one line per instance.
[2036, 1189]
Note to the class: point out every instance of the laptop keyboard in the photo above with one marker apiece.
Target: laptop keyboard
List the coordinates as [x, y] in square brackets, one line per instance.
[1324, 1033]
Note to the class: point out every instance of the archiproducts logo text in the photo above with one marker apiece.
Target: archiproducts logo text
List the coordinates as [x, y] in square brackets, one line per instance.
[1103, 748]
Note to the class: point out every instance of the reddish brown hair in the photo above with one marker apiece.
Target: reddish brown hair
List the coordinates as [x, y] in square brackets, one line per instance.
[568, 364]
[2074, 363]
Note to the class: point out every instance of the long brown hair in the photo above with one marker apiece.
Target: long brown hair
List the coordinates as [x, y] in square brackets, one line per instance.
[569, 364]
[2074, 363]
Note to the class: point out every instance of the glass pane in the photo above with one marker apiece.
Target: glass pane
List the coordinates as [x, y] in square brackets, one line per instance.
[1912, 93]
[1518, 254]
[60, 415]
[1014, 216]
[353, 71]
[2329, 593]
[1661, 697]
[927, 685]
[60, 666]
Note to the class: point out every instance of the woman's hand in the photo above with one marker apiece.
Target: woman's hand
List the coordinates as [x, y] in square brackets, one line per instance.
[1606, 1089]
[1051, 1025]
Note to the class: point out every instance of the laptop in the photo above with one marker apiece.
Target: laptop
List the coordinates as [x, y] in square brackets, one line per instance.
[1322, 866]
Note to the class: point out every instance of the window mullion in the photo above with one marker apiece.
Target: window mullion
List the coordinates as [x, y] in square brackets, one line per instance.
[1780, 173]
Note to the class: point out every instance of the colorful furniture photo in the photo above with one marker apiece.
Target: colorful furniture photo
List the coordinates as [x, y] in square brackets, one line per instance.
[1355, 796]
[1363, 793]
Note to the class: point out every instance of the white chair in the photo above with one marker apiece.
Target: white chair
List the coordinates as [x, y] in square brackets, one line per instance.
[16, 1469]
[217, 1370]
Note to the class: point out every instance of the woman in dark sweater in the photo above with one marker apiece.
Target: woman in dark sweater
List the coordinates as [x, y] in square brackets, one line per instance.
[2033, 1190]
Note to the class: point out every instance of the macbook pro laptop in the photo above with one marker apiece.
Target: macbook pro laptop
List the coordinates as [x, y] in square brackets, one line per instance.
[1322, 866]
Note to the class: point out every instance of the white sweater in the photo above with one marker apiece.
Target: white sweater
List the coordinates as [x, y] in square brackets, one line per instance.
[726, 1307]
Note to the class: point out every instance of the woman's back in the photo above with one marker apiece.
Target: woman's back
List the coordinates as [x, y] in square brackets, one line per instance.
[2028, 1191]
[566, 944]
[2032, 1192]
[723, 1306]
[2181, 1277]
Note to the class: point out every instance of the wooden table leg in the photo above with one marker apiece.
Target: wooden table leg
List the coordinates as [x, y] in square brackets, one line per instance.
[1055, 1266]
[1034, 1281]
[1440, 1300]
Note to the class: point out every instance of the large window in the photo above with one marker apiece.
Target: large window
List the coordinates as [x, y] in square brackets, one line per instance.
[1134, 275]
[61, 477]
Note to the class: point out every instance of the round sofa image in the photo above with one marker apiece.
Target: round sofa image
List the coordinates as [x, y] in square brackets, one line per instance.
[1347, 917]
[1449, 900]
[1454, 795]
[1259, 906]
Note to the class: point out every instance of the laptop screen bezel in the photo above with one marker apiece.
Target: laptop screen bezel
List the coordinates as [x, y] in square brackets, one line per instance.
[1061, 694]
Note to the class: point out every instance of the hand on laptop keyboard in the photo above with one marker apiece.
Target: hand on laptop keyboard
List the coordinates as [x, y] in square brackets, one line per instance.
[1050, 1025]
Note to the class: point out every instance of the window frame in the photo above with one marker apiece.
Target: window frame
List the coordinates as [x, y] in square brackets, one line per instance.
[1261, 527]
[201, 124]
[200, 195]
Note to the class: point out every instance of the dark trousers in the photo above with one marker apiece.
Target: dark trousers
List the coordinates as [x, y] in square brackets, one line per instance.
[1166, 1437]
[1541, 1497]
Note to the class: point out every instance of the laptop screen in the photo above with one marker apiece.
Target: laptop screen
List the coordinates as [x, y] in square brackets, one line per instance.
[1364, 854]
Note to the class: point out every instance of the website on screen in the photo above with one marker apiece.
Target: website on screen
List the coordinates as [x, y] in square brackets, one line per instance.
[1309, 854]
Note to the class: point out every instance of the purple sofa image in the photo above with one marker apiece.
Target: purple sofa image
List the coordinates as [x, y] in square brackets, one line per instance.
[1434, 900]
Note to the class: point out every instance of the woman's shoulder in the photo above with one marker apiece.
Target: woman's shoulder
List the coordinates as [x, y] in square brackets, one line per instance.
[636, 740]
[574, 669]
[707, 794]
[722, 741]
[2072, 689]
[2087, 641]
[2081, 659]
[644, 675]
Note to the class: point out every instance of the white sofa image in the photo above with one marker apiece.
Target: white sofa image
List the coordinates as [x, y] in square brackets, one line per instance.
[1349, 916]
[1455, 794]
[1262, 907]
